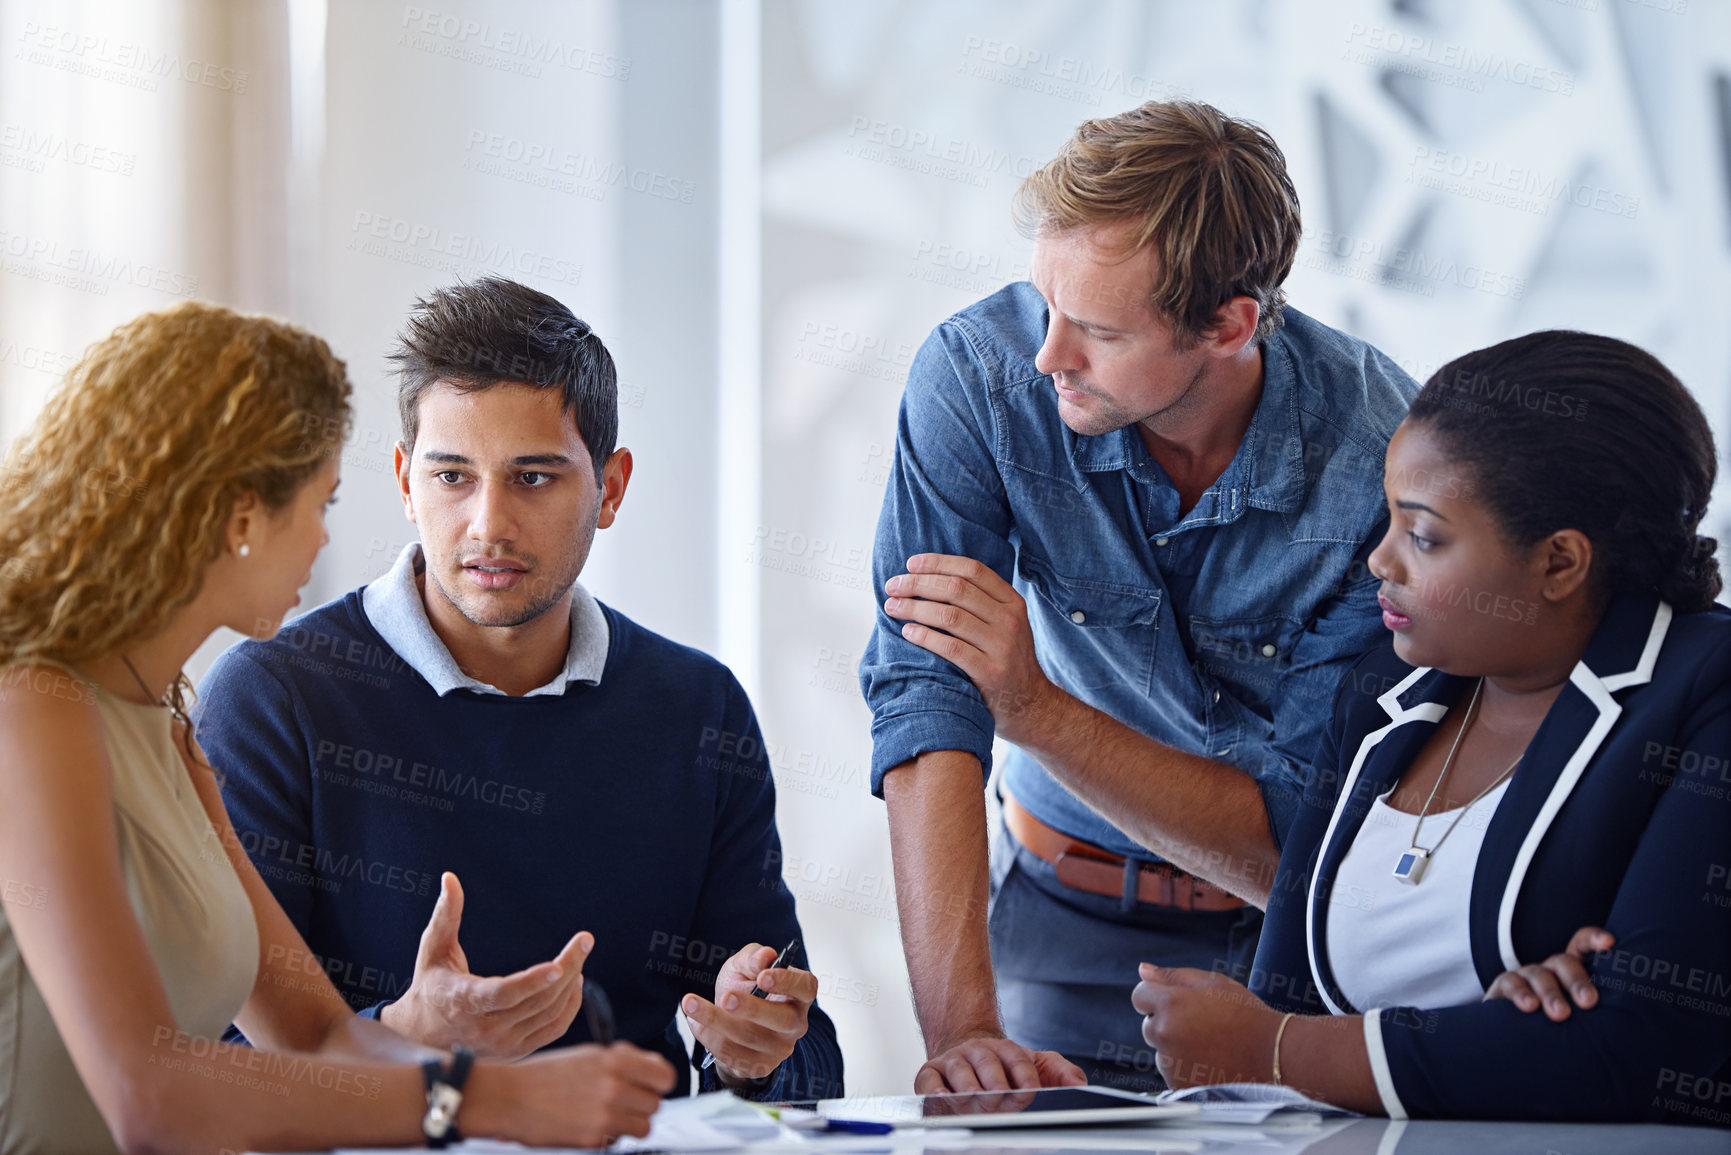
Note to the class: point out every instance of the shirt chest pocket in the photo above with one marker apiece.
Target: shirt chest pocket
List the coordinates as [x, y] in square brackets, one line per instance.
[1247, 655]
[1090, 633]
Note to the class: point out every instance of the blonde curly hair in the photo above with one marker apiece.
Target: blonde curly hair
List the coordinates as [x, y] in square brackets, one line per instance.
[116, 501]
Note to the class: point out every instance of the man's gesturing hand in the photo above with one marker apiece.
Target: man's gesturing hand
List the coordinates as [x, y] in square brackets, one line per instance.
[498, 1018]
[961, 610]
[994, 1063]
[749, 1036]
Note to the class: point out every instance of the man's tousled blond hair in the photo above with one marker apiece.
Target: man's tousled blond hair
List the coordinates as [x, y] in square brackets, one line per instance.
[1210, 194]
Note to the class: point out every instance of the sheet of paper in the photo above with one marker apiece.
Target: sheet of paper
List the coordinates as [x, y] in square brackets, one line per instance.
[718, 1121]
[1249, 1103]
[679, 1131]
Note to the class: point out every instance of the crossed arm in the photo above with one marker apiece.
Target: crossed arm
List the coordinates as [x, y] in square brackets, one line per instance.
[1207, 817]
[1207, 1028]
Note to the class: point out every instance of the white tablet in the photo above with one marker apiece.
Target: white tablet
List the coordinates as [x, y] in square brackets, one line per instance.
[1047, 1107]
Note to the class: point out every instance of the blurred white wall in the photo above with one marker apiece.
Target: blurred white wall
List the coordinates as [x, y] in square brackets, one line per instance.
[764, 207]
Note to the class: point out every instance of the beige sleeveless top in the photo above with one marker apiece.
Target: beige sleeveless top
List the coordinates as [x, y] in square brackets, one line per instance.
[195, 914]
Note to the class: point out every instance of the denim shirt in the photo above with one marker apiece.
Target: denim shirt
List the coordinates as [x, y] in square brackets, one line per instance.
[1274, 599]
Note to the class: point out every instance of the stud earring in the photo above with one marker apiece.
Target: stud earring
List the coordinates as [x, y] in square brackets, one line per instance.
[244, 550]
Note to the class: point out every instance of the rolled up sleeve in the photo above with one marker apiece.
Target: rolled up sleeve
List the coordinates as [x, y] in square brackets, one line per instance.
[945, 495]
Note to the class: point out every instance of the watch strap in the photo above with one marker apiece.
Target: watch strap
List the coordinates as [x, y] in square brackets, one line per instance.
[444, 1086]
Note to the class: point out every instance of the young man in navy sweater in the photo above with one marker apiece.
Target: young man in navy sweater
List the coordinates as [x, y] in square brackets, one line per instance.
[602, 792]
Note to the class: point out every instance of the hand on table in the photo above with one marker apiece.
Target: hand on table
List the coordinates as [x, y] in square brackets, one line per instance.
[994, 1063]
[750, 1037]
[1204, 1027]
[1545, 983]
[501, 1018]
[962, 611]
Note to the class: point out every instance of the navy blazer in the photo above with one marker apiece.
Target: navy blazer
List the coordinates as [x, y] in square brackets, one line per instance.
[1618, 816]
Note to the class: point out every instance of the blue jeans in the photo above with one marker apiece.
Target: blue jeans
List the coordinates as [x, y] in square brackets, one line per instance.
[1066, 962]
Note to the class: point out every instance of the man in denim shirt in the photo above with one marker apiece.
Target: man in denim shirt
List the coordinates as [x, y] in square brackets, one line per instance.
[1146, 469]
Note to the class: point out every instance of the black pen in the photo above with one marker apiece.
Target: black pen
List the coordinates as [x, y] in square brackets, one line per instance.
[599, 1012]
[779, 963]
[758, 992]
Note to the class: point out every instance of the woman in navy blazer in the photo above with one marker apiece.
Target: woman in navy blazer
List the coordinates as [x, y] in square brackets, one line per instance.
[1542, 554]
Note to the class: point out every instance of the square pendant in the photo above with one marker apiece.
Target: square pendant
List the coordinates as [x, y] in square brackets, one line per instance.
[1411, 866]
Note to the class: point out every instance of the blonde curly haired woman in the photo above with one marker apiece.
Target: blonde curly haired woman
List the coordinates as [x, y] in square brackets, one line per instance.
[177, 483]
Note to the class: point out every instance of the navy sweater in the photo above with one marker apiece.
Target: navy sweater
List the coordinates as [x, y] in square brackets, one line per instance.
[640, 809]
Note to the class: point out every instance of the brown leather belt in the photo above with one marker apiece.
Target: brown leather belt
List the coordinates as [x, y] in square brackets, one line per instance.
[1084, 866]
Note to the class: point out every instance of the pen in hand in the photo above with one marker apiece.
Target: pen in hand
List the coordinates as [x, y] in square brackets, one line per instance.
[780, 963]
[757, 992]
[599, 1013]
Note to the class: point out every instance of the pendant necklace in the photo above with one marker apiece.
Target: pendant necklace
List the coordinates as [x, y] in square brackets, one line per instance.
[163, 701]
[1411, 866]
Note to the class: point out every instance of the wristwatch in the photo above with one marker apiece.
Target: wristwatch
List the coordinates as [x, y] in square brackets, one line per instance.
[444, 1096]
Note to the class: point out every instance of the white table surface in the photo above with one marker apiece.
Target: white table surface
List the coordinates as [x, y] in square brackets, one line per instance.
[1285, 1137]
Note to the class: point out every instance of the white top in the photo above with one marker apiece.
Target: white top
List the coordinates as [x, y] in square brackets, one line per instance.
[1394, 944]
[394, 606]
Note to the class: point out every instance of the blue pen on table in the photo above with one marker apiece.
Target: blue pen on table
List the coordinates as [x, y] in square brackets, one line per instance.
[757, 992]
[801, 1119]
[857, 1127]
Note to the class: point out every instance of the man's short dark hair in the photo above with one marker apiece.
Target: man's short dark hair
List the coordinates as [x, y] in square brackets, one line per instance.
[477, 334]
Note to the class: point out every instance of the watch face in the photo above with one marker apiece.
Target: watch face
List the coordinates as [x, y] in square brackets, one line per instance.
[442, 1103]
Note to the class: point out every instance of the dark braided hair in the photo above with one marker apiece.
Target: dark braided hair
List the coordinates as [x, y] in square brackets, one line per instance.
[1567, 430]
